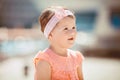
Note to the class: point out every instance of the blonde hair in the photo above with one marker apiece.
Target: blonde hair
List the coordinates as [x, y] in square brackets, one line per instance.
[47, 15]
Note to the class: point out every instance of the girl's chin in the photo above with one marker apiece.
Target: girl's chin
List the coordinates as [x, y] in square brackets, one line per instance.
[69, 46]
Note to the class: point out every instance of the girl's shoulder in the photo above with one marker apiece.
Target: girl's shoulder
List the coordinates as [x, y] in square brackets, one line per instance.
[42, 66]
[41, 57]
[77, 55]
[42, 54]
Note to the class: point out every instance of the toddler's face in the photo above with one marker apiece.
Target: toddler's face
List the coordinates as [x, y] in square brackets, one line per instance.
[64, 34]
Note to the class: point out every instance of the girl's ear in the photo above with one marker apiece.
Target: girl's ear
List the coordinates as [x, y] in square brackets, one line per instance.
[50, 36]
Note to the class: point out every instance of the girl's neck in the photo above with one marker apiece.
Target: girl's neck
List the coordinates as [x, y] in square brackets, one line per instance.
[59, 51]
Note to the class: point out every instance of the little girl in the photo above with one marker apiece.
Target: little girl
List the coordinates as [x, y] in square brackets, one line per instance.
[57, 62]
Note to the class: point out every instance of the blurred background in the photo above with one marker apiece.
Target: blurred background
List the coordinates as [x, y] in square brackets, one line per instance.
[98, 26]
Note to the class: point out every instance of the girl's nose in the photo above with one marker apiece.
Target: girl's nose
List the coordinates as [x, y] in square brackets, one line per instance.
[72, 32]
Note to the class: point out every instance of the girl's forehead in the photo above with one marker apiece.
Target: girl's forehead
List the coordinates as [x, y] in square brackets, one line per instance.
[66, 22]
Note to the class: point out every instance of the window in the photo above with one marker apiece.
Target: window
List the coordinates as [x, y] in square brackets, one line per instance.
[115, 17]
[85, 21]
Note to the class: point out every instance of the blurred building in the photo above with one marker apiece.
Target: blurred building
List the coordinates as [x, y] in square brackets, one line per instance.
[98, 23]
[107, 30]
[17, 13]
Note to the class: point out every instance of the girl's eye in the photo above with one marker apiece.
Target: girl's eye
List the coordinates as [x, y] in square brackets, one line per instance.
[73, 27]
[65, 28]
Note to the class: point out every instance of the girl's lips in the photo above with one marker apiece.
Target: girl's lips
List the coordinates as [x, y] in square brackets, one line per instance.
[71, 38]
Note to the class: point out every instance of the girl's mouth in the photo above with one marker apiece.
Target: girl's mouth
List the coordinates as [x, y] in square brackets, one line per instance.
[71, 38]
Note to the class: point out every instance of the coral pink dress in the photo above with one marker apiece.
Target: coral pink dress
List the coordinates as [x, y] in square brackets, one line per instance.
[63, 68]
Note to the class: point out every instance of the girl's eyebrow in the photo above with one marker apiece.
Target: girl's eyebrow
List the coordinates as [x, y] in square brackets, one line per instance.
[62, 27]
[65, 26]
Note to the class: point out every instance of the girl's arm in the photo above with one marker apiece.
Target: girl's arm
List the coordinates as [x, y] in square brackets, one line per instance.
[43, 70]
[80, 73]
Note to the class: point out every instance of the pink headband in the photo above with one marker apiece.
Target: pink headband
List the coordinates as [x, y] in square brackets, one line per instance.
[59, 14]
